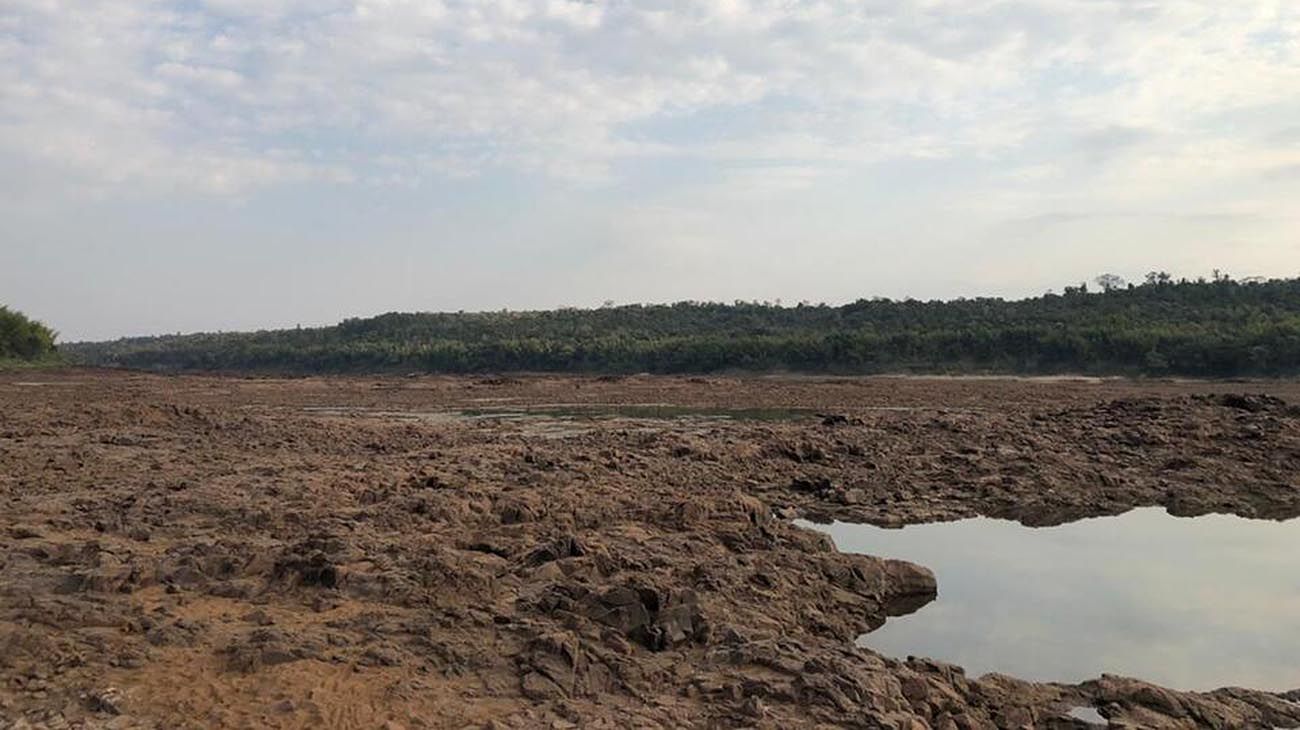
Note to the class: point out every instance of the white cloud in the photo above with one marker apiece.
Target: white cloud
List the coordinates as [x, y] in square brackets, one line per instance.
[158, 93]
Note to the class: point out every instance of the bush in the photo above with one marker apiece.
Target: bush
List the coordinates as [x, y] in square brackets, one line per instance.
[22, 338]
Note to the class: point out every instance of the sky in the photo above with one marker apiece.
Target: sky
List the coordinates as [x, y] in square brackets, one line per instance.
[199, 165]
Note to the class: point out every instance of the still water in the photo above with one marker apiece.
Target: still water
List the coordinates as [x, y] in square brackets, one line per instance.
[654, 411]
[1192, 604]
[576, 412]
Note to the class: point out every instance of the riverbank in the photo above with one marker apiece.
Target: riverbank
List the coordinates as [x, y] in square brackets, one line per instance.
[530, 552]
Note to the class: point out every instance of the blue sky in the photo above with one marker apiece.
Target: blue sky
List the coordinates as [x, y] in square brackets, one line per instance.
[234, 164]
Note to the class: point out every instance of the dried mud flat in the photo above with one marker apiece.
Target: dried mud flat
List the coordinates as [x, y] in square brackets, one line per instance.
[222, 552]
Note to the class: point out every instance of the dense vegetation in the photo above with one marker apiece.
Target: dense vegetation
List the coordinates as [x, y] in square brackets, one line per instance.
[1219, 327]
[24, 339]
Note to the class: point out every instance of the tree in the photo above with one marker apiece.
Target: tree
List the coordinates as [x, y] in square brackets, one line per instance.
[22, 338]
[1215, 328]
[1110, 282]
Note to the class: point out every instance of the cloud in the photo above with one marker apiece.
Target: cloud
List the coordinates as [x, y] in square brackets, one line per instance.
[1283, 173]
[228, 96]
[1104, 144]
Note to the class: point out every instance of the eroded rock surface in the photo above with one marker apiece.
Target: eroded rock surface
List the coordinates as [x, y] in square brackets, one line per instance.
[206, 552]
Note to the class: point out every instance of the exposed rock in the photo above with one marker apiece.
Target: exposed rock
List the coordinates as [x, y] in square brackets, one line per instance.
[310, 570]
[264, 647]
[225, 557]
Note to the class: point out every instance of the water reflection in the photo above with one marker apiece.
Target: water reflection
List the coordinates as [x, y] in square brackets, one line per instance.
[1192, 604]
[653, 411]
[575, 412]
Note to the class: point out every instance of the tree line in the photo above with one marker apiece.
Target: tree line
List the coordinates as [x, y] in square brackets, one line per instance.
[1216, 327]
[22, 338]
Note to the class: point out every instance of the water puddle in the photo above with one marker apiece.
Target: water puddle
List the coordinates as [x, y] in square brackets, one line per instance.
[1088, 715]
[642, 411]
[577, 412]
[1193, 604]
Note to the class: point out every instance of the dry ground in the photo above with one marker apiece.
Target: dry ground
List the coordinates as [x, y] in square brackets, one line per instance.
[233, 552]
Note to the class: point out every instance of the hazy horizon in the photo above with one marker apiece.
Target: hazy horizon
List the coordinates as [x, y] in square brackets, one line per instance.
[232, 165]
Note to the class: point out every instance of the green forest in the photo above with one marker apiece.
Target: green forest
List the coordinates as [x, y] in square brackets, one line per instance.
[1217, 327]
[23, 339]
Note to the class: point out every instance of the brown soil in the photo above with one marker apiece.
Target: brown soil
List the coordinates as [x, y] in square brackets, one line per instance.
[221, 552]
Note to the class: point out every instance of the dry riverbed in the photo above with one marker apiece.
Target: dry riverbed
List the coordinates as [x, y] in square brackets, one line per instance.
[567, 552]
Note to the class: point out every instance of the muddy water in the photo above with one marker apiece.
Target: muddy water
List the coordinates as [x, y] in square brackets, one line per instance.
[1194, 604]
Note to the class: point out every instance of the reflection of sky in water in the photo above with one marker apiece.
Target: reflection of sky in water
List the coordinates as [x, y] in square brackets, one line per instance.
[1188, 603]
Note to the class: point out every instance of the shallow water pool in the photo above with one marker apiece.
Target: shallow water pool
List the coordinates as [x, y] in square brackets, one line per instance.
[576, 412]
[1190, 603]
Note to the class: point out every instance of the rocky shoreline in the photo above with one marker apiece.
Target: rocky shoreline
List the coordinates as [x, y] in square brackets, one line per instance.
[206, 551]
